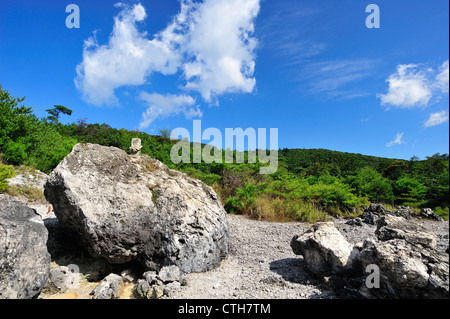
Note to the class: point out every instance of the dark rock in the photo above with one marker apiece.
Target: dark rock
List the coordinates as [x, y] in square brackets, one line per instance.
[429, 214]
[403, 211]
[355, 222]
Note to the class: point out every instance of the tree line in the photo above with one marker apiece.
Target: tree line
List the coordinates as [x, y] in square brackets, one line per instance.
[309, 185]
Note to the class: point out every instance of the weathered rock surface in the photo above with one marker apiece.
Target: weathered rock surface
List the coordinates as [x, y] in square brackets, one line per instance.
[412, 262]
[403, 211]
[35, 179]
[110, 288]
[24, 259]
[156, 285]
[326, 251]
[428, 213]
[391, 227]
[135, 208]
[61, 279]
[410, 265]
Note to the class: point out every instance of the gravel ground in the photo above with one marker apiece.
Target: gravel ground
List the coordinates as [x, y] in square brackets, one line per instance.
[260, 265]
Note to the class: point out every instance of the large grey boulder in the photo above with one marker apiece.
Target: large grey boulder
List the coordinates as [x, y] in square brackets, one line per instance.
[24, 259]
[128, 207]
[410, 265]
[325, 251]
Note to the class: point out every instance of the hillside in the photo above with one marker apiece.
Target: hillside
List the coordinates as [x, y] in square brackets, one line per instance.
[309, 184]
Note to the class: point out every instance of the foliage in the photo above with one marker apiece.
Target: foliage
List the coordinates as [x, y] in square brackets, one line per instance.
[410, 191]
[5, 173]
[56, 111]
[371, 184]
[443, 212]
[308, 186]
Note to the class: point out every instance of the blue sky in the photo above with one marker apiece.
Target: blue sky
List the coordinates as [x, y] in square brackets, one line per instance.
[312, 69]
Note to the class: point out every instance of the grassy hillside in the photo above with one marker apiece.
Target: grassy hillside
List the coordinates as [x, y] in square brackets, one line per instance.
[308, 186]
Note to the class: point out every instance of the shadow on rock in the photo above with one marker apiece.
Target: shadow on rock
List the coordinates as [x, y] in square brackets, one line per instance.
[292, 270]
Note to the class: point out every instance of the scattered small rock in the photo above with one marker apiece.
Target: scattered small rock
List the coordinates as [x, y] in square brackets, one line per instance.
[428, 213]
[169, 274]
[110, 288]
[155, 285]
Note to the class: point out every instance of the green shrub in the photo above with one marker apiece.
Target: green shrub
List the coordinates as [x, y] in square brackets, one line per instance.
[409, 191]
[443, 212]
[337, 196]
[371, 184]
[5, 173]
[233, 205]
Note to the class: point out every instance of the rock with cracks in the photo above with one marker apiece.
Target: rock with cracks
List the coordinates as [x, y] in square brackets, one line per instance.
[135, 208]
[110, 288]
[24, 259]
[410, 265]
[326, 251]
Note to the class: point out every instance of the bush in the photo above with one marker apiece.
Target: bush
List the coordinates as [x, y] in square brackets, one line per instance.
[5, 173]
[334, 197]
[409, 191]
[443, 212]
[233, 206]
[369, 183]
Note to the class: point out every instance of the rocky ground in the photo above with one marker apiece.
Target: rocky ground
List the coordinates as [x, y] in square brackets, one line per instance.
[260, 265]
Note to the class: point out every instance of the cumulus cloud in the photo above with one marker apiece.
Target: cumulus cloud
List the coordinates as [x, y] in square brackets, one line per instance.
[208, 43]
[165, 105]
[128, 58]
[398, 140]
[408, 87]
[442, 79]
[437, 118]
[221, 50]
[415, 86]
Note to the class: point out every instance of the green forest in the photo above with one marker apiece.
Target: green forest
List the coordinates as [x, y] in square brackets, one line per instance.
[310, 184]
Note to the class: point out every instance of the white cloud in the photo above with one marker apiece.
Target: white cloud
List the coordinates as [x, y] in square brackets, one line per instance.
[437, 118]
[128, 58]
[217, 39]
[397, 141]
[408, 88]
[442, 79]
[210, 42]
[414, 85]
[165, 105]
